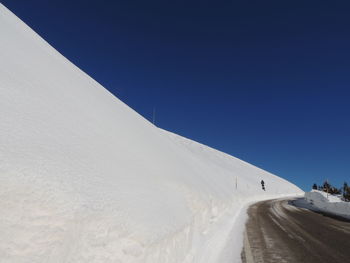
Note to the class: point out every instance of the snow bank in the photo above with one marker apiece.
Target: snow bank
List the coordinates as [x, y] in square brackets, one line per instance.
[328, 203]
[84, 178]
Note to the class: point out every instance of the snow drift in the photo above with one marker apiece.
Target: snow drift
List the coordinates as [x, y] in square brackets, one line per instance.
[84, 178]
[330, 204]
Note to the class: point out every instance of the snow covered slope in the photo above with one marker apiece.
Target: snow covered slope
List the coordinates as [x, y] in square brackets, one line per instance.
[331, 204]
[84, 178]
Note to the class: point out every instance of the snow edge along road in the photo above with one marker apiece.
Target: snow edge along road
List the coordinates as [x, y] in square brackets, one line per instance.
[231, 252]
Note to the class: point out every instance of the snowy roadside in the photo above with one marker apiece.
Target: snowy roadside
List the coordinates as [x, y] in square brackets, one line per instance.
[321, 201]
[220, 241]
[231, 252]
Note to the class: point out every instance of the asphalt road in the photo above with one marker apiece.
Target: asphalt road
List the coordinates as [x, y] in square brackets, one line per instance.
[278, 231]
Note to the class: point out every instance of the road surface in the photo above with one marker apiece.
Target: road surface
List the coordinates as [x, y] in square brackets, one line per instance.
[278, 231]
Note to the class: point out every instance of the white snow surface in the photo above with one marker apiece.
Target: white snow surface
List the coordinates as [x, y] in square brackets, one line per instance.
[328, 203]
[84, 178]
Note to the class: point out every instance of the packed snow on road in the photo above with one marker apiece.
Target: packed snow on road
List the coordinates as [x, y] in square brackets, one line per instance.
[84, 178]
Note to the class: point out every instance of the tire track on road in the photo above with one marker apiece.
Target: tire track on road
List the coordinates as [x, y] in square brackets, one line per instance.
[277, 231]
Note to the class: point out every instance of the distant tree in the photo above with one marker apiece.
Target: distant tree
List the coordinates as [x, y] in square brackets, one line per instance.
[330, 189]
[334, 191]
[346, 192]
[326, 186]
[345, 187]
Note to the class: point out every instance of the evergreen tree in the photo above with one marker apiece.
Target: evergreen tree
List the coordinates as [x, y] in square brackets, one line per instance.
[346, 192]
[345, 187]
[326, 187]
[334, 191]
[314, 186]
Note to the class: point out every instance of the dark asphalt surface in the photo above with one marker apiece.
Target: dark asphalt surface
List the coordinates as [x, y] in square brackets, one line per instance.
[278, 231]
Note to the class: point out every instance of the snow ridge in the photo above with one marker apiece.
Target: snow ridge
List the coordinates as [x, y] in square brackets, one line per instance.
[84, 178]
[327, 203]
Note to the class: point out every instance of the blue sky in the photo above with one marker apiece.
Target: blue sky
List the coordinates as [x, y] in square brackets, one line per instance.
[265, 81]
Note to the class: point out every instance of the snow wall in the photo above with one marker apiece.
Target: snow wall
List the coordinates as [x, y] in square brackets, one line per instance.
[328, 203]
[84, 178]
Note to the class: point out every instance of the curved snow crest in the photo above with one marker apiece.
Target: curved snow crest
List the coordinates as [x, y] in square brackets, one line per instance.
[84, 178]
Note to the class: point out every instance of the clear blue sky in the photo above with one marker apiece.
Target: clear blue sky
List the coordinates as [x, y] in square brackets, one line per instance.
[265, 81]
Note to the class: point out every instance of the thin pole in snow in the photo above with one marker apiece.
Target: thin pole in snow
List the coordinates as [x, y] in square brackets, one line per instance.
[154, 116]
[236, 182]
